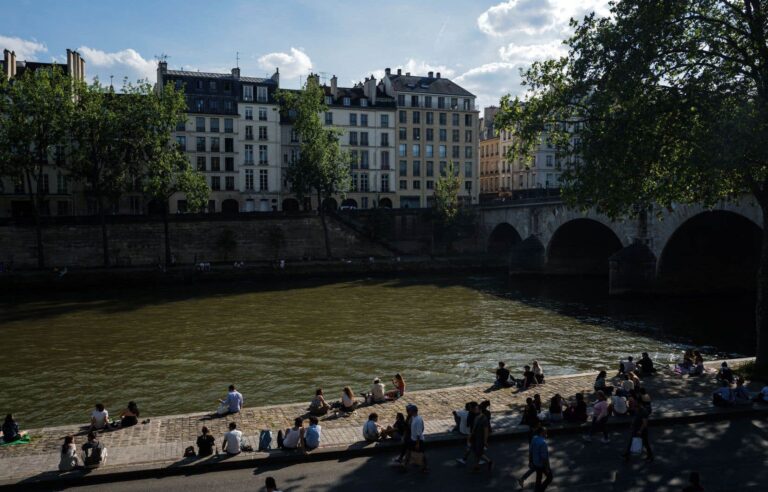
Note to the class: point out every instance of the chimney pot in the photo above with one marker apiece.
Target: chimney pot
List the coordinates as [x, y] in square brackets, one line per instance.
[387, 71]
[399, 71]
[407, 74]
[236, 72]
[438, 75]
[431, 74]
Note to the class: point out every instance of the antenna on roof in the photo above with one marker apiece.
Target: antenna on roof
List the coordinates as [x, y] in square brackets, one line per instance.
[162, 57]
[237, 59]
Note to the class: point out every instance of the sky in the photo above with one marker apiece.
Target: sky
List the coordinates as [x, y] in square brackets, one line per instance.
[480, 44]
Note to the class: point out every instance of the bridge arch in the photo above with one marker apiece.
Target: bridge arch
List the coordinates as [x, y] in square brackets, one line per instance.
[502, 238]
[715, 250]
[581, 246]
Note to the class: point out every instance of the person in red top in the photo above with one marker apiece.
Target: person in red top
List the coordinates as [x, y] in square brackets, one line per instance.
[599, 418]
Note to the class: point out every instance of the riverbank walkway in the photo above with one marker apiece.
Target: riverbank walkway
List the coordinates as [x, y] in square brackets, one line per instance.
[156, 448]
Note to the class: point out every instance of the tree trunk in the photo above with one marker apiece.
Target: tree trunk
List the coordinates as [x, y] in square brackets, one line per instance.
[104, 236]
[321, 208]
[761, 308]
[167, 236]
[36, 207]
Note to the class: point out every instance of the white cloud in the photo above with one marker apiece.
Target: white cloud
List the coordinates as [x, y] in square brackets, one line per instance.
[526, 53]
[25, 49]
[125, 63]
[513, 16]
[490, 81]
[291, 65]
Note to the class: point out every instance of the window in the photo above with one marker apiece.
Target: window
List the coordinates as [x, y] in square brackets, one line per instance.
[467, 106]
[549, 161]
[443, 119]
[385, 183]
[403, 170]
[328, 118]
[430, 184]
[181, 141]
[401, 100]
[454, 135]
[215, 144]
[468, 152]
[403, 184]
[443, 135]
[229, 145]
[364, 160]
[62, 184]
[403, 133]
[328, 99]
[427, 101]
[416, 150]
[385, 139]
[455, 119]
[229, 183]
[249, 179]
[429, 150]
[201, 163]
[385, 159]
[364, 138]
[200, 144]
[443, 166]
[262, 133]
[45, 185]
[364, 104]
[248, 92]
[346, 101]
[212, 85]
[468, 185]
[417, 133]
[215, 163]
[354, 158]
[294, 155]
[249, 132]
[403, 117]
[354, 182]
[263, 157]
[262, 114]
[364, 182]
[261, 94]
[264, 180]
[249, 155]
[455, 151]
[215, 183]
[248, 113]
[363, 120]
[402, 150]
[417, 168]
[352, 138]
[467, 169]
[228, 125]
[467, 120]
[454, 103]
[467, 136]
[181, 126]
[214, 104]
[441, 102]
[430, 118]
[352, 119]
[229, 164]
[199, 104]
[417, 117]
[430, 169]
[417, 184]
[214, 125]
[294, 136]
[430, 134]
[442, 153]
[200, 124]
[385, 121]
[415, 101]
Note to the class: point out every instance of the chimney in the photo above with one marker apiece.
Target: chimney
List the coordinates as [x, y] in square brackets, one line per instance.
[82, 69]
[370, 89]
[430, 74]
[407, 74]
[276, 76]
[334, 87]
[70, 58]
[162, 68]
[387, 71]
[75, 74]
[399, 72]
[437, 75]
[236, 73]
[7, 64]
[13, 64]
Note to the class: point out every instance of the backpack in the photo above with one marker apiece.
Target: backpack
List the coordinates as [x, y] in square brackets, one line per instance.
[265, 440]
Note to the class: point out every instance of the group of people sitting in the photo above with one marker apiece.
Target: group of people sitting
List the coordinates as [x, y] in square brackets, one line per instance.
[733, 391]
[348, 403]
[532, 375]
[100, 417]
[94, 453]
[692, 364]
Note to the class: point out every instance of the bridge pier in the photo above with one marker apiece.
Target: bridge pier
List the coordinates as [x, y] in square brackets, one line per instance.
[632, 270]
[528, 256]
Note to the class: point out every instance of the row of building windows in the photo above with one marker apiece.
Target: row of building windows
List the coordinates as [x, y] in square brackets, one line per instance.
[429, 151]
[430, 118]
[19, 186]
[430, 168]
[200, 144]
[430, 135]
[417, 101]
[428, 184]
[229, 181]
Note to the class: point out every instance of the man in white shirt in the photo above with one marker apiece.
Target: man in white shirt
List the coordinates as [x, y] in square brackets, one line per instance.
[234, 400]
[232, 440]
[99, 417]
[378, 395]
[371, 428]
[417, 434]
[619, 405]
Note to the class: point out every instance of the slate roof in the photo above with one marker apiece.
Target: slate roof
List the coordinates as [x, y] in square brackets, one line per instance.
[220, 76]
[427, 85]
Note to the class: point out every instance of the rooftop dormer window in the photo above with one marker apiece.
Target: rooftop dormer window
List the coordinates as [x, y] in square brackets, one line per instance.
[364, 102]
[347, 101]
[328, 99]
[248, 93]
[261, 94]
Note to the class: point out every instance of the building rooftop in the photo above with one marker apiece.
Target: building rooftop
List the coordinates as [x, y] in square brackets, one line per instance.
[427, 85]
[220, 76]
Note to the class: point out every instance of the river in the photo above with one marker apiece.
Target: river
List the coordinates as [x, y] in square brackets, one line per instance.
[175, 349]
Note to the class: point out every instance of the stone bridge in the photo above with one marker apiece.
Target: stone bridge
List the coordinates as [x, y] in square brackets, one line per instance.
[687, 249]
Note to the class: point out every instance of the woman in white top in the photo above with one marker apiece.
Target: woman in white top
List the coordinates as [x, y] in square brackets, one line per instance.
[68, 460]
[294, 437]
[348, 402]
[538, 372]
[99, 417]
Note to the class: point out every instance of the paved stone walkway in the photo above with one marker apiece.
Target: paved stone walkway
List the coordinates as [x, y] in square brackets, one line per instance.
[162, 441]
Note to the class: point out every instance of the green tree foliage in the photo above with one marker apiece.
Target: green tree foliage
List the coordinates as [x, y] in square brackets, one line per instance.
[35, 112]
[322, 167]
[447, 194]
[657, 103]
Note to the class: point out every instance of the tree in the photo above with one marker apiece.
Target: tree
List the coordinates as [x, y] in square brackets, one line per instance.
[35, 112]
[447, 202]
[166, 170]
[658, 103]
[322, 168]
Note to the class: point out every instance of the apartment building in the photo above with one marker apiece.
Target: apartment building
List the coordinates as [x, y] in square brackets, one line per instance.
[437, 122]
[491, 185]
[232, 136]
[542, 171]
[63, 197]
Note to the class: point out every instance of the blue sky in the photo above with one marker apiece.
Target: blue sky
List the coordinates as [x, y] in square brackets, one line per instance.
[481, 44]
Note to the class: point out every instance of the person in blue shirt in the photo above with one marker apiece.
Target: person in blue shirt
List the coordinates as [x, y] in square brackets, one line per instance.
[312, 434]
[233, 401]
[539, 459]
[724, 396]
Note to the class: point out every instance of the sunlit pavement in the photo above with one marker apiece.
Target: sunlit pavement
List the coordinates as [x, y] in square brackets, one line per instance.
[730, 455]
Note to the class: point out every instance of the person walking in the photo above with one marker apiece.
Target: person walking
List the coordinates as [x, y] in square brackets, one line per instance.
[599, 418]
[540, 459]
[478, 438]
[416, 453]
[639, 429]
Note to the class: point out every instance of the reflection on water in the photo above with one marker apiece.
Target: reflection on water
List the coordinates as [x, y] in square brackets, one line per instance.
[175, 349]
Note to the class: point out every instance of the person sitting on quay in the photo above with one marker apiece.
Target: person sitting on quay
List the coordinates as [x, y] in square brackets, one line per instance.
[348, 402]
[502, 377]
[538, 372]
[600, 384]
[318, 406]
[399, 427]
[130, 416]
[576, 412]
[724, 396]
[599, 418]
[68, 460]
[762, 396]
[537, 403]
[687, 365]
[313, 434]
[399, 390]
[205, 442]
[632, 375]
[529, 379]
[627, 386]
[233, 440]
[741, 395]
[530, 415]
[698, 365]
[293, 438]
[645, 365]
[232, 403]
[11, 430]
[556, 406]
[464, 418]
[378, 394]
[626, 366]
[725, 373]
[618, 406]
[94, 452]
[99, 418]
[373, 432]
